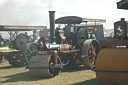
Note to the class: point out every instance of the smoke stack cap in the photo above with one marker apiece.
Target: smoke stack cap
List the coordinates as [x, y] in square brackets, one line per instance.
[122, 19]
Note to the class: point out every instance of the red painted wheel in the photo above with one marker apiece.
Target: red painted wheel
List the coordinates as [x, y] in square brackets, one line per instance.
[90, 50]
[92, 54]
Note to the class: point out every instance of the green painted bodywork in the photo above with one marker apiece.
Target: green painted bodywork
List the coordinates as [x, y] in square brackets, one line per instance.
[20, 28]
[24, 27]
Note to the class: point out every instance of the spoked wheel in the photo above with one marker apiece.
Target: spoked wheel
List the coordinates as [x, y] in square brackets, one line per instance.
[54, 71]
[90, 50]
[28, 51]
[44, 66]
[92, 54]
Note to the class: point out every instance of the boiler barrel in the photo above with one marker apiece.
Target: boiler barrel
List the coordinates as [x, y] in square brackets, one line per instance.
[111, 66]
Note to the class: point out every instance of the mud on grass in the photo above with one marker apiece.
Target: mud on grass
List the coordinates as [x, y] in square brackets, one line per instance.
[69, 76]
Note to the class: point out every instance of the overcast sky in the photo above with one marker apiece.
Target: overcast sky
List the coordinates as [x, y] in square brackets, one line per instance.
[35, 12]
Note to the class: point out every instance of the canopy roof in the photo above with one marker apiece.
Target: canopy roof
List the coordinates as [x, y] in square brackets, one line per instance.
[68, 20]
[75, 20]
[20, 28]
[123, 4]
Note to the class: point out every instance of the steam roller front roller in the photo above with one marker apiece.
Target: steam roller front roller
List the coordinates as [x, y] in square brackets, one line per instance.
[44, 66]
[90, 50]
[111, 66]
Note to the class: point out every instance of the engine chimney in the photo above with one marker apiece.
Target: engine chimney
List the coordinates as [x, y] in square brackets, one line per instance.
[52, 26]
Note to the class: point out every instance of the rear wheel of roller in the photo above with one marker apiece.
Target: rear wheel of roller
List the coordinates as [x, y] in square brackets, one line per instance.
[90, 50]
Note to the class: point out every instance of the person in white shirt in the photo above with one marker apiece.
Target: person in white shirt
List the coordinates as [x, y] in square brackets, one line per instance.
[36, 36]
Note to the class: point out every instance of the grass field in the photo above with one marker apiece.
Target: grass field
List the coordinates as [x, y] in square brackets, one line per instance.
[69, 76]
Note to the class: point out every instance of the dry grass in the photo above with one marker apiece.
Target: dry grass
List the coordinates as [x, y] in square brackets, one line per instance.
[69, 76]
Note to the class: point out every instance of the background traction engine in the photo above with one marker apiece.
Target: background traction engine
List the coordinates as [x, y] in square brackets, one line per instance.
[48, 61]
[12, 50]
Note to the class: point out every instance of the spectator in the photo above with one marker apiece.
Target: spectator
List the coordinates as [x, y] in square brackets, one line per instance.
[36, 36]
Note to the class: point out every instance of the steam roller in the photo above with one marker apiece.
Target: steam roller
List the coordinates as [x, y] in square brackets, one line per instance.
[111, 64]
[69, 47]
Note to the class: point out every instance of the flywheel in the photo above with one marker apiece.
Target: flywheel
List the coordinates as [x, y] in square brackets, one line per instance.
[81, 35]
[22, 40]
